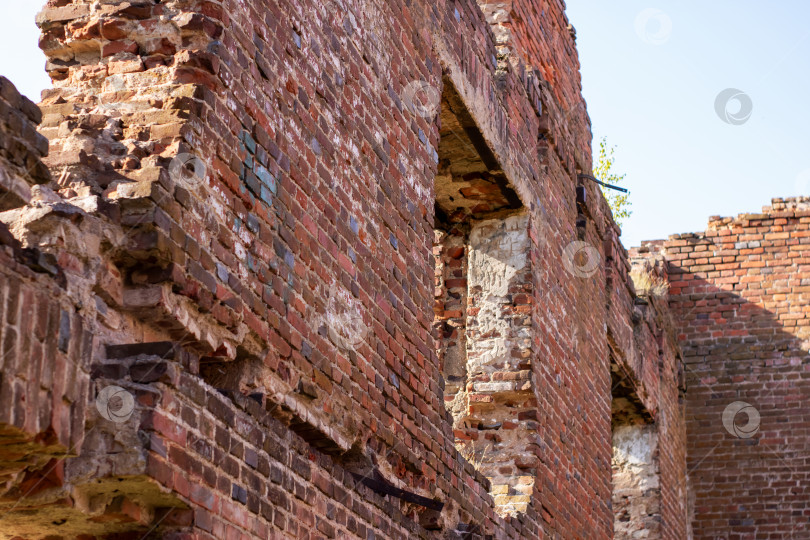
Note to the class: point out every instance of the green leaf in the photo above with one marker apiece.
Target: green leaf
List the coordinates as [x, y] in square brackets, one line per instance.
[603, 170]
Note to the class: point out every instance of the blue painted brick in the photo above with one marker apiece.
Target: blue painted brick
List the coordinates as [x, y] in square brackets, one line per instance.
[252, 223]
[250, 143]
[266, 195]
[253, 183]
[266, 177]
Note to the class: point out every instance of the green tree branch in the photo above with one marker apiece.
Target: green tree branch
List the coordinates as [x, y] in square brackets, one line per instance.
[603, 170]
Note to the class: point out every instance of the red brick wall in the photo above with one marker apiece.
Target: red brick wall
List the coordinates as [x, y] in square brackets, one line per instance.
[44, 375]
[648, 358]
[295, 272]
[43, 340]
[739, 291]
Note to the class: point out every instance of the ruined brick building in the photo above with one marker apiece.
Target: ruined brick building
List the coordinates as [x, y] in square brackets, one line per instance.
[331, 269]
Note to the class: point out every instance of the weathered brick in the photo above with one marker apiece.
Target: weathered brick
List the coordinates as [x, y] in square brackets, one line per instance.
[289, 301]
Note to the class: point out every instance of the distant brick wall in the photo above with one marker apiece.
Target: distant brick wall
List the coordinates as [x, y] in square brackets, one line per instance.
[740, 291]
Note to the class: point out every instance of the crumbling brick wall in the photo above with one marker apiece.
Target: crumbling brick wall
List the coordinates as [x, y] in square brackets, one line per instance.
[21, 147]
[44, 383]
[44, 379]
[243, 209]
[739, 293]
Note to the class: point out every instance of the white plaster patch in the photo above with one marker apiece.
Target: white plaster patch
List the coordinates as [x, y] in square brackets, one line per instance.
[636, 481]
[499, 250]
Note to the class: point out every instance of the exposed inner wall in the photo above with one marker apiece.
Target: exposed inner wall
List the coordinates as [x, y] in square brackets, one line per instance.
[739, 291]
[503, 406]
[636, 466]
[483, 309]
[636, 482]
[450, 326]
[244, 205]
[486, 354]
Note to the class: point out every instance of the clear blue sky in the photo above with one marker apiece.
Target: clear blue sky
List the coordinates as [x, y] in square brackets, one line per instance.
[651, 89]
[656, 103]
[22, 62]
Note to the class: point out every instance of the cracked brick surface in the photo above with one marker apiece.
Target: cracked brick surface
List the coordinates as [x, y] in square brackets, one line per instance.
[323, 247]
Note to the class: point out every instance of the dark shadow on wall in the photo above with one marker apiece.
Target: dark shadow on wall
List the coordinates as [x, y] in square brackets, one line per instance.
[748, 411]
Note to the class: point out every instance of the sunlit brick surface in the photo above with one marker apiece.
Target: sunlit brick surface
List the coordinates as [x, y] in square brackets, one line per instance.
[284, 261]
